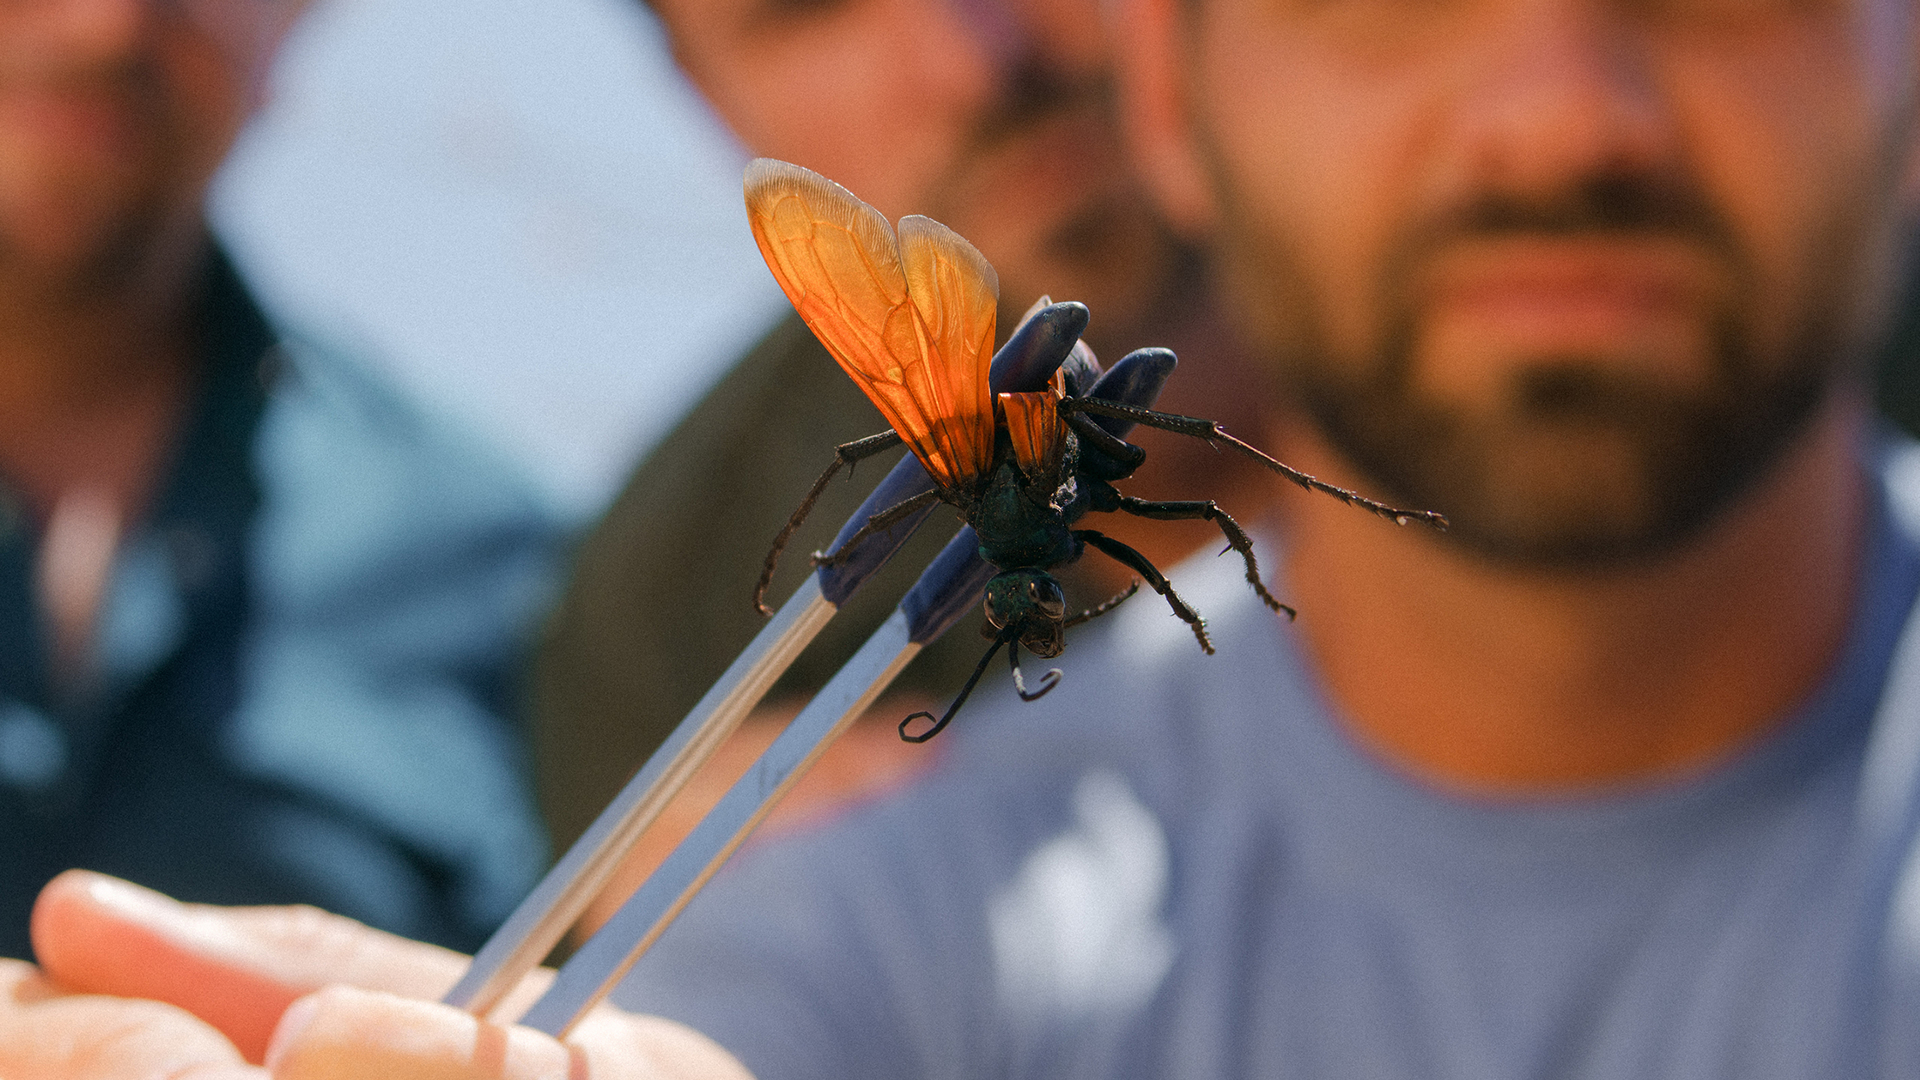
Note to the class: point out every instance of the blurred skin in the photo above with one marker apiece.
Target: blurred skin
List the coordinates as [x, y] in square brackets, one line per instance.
[995, 117]
[231, 989]
[114, 115]
[1592, 278]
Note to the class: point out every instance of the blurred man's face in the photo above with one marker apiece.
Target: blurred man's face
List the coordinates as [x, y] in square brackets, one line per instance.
[114, 114]
[993, 116]
[1572, 271]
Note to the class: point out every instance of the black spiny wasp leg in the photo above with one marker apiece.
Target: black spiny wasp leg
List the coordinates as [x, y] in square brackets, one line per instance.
[1103, 440]
[880, 522]
[844, 454]
[1214, 433]
[1210, 511]
[1138, 563]
[1095, 612]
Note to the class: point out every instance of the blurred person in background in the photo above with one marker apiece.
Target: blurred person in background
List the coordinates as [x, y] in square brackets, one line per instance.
[995, 117]
[257, 619]
[1618, 778]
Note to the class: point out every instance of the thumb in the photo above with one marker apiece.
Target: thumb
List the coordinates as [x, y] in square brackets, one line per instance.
[238, 969]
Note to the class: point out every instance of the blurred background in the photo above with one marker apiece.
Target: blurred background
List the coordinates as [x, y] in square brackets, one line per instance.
[519, 209]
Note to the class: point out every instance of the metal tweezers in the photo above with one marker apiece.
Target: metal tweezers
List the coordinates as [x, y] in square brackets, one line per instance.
[951, 585]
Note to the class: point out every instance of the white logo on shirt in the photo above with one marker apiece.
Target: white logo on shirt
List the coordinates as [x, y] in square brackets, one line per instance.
[1079, 929]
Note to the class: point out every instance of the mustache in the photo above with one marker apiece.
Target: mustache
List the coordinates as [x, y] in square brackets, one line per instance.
[1614, 204]
[1034, 90]
[1607, 203]
[1032, 84]
[1032, 93]
[1617, 204]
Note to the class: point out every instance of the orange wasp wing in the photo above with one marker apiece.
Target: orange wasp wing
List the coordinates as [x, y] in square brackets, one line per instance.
[909, 317]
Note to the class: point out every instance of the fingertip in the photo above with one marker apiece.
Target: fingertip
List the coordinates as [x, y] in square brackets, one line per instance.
[92, 882]
[293, 1023]
[55, 909]
[118, 895]
[77, 910]
[97, 934]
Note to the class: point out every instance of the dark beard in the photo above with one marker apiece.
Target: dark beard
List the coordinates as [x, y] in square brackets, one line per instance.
[1679, 461]
[140, 210]
[112, 264]
[1577, 464]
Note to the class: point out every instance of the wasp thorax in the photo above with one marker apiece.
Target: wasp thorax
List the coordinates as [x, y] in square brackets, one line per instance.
[1029, 601]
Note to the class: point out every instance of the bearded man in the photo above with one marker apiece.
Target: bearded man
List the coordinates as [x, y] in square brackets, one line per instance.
[1615, 778]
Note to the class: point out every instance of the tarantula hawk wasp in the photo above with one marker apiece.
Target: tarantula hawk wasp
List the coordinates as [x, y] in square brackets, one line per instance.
[910, 317]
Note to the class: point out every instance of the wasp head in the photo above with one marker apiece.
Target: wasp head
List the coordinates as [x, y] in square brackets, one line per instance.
[1031, 603]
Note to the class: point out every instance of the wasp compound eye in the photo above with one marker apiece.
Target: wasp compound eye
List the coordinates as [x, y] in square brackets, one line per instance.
[1024, 598]
[1047, 599]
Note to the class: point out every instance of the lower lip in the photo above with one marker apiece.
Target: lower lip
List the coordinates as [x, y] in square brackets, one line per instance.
[1564, 313]
[1571, 302]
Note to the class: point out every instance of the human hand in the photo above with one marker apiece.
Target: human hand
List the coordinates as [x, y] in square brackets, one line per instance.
[47, 1033]
[319, 996]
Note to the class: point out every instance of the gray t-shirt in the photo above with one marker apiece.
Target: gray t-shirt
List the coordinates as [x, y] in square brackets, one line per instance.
[1179, 866]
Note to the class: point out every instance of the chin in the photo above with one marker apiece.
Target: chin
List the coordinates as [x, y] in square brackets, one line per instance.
[1574, 466]
[1595, 495]
[1558, 497]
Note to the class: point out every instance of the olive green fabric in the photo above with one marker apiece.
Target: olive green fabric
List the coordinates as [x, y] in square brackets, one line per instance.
[1897, 375]
[660, 600]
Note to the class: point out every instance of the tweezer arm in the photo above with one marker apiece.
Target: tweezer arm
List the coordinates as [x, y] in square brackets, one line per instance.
[945, 591]
[540, 921]
[592, 972]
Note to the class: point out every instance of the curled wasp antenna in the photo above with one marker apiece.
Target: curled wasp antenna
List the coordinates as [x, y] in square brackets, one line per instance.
[1047, 682]
[1003, 638]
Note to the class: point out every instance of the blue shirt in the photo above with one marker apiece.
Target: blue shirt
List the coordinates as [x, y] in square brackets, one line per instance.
[302, 663]
[1181, 866]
